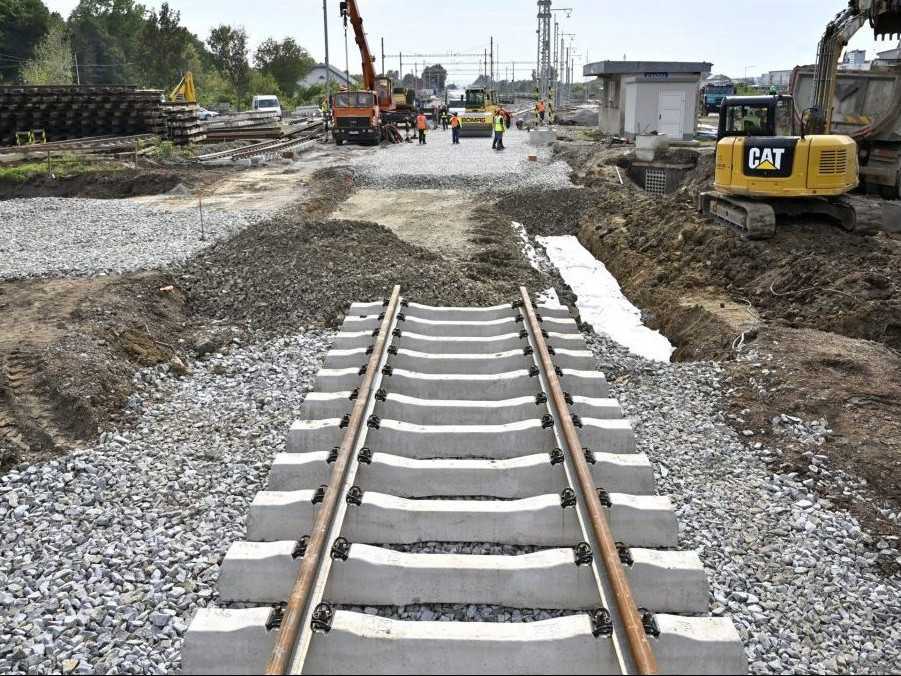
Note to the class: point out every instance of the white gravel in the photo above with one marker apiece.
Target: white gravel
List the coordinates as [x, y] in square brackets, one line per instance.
[797, 576]
[72, 237]
[472, 165]
[107, 552]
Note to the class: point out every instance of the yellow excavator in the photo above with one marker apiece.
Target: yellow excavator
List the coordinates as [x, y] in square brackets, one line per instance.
[771, 161]
[184, 91]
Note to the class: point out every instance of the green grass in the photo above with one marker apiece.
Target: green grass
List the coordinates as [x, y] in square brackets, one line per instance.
[63, 166]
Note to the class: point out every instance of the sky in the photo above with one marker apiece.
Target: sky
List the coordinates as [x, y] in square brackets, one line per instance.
[738, 38]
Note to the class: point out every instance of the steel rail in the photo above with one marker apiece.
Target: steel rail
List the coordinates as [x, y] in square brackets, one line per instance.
[299, 599]
[637, 638]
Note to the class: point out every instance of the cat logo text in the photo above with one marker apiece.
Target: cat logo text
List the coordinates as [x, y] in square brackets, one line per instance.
[765, 159]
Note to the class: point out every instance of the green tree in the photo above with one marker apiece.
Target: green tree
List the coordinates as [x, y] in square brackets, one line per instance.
[104, 36]
[166, 49]
[52, 62]
[229, 50]
[434, 77]
[286, 61]
[23, 23]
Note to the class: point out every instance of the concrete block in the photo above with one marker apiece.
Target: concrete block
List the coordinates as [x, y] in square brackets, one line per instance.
[347, 359]
[698, 645]
[278, 515]
[326, 405]
[461, 412]
[228, 642]
[306, 436]
[643, 521]
[531, 521]
[514, 478]
[640, 521]
[496, 442]
[565, 326]
[546, 579]
[475, 364]
[669, 581]
[359, 324]
[461, 329]
[577, 360]
[299, 471]
[599, 409]
[258, 572]
[451, 345]
[366, 644]
[338, 380]
[631, 474]
[585, 384]
[462, 386]
[460, 314]
[354, 340]
[607, 436]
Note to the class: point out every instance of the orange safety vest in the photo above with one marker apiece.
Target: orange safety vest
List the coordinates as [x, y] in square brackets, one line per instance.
[422, 122]
[455, 122]
[541, 106]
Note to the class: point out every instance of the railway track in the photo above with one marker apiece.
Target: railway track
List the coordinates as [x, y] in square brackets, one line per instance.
[303, 136]
[432, 427]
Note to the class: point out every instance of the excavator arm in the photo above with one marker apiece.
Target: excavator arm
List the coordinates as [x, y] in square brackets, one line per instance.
[884, 16]
[349, 10]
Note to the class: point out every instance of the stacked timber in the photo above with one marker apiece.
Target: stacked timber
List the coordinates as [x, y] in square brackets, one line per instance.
[70, 111]
[183, 123]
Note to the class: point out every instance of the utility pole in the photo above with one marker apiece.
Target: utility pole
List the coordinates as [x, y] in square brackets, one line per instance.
[491, 74]
[383, 56]
[328, 68]
[77, 74]
[544, 47]
[401, 54]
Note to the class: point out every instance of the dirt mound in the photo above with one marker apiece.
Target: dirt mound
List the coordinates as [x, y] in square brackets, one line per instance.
[101, 185]
[290, 273]
[550, 212]
[68, 351]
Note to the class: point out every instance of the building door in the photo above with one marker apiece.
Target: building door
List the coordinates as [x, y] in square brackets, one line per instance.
[671, 108]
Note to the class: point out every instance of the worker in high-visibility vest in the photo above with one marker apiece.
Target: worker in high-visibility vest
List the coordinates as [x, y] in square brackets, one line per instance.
[500, 126]
[541, 108]
[455, 129]
[422, 124]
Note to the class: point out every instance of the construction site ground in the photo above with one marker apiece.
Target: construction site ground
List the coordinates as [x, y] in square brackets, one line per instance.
[808, 324]
[779, 419]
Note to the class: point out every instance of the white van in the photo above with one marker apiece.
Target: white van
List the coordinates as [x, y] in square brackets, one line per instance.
[267, 103]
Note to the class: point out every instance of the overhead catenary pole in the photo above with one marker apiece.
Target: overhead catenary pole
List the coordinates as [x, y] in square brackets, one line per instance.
[77, 74]
[383, 56]
[491, 72]
[328, 67]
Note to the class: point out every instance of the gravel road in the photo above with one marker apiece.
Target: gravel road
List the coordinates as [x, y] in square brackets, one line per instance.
[70, 237]
[472, 165]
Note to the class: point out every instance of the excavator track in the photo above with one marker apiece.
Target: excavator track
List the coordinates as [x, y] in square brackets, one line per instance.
[753, 220]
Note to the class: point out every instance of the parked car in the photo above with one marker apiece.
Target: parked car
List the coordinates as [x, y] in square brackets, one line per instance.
[267, 104]
[205, 114]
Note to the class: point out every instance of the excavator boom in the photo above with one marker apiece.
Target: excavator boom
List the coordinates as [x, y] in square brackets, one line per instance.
[885, 18]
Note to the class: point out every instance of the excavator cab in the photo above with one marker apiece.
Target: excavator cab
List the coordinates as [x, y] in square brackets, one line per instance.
[757, 116]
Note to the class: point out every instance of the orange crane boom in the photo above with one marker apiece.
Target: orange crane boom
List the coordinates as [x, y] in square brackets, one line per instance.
[349, 10]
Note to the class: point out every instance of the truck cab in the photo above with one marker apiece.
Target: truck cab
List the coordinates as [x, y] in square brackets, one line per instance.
[356, 118]
[267, 103]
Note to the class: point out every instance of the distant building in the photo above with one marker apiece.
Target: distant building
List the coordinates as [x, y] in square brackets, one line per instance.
[317, 76]
[647, 97]
[890, 58]
[855, 59]
[776, 78]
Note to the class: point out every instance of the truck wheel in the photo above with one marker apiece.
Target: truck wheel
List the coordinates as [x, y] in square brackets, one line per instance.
[339, 141]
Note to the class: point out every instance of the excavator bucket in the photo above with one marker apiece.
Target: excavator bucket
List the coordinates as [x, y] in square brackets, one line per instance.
[886, 18]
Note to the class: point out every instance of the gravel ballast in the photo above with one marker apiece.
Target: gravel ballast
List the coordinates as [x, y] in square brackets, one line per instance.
[70, 237]
[107, 552]
[798, 577]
